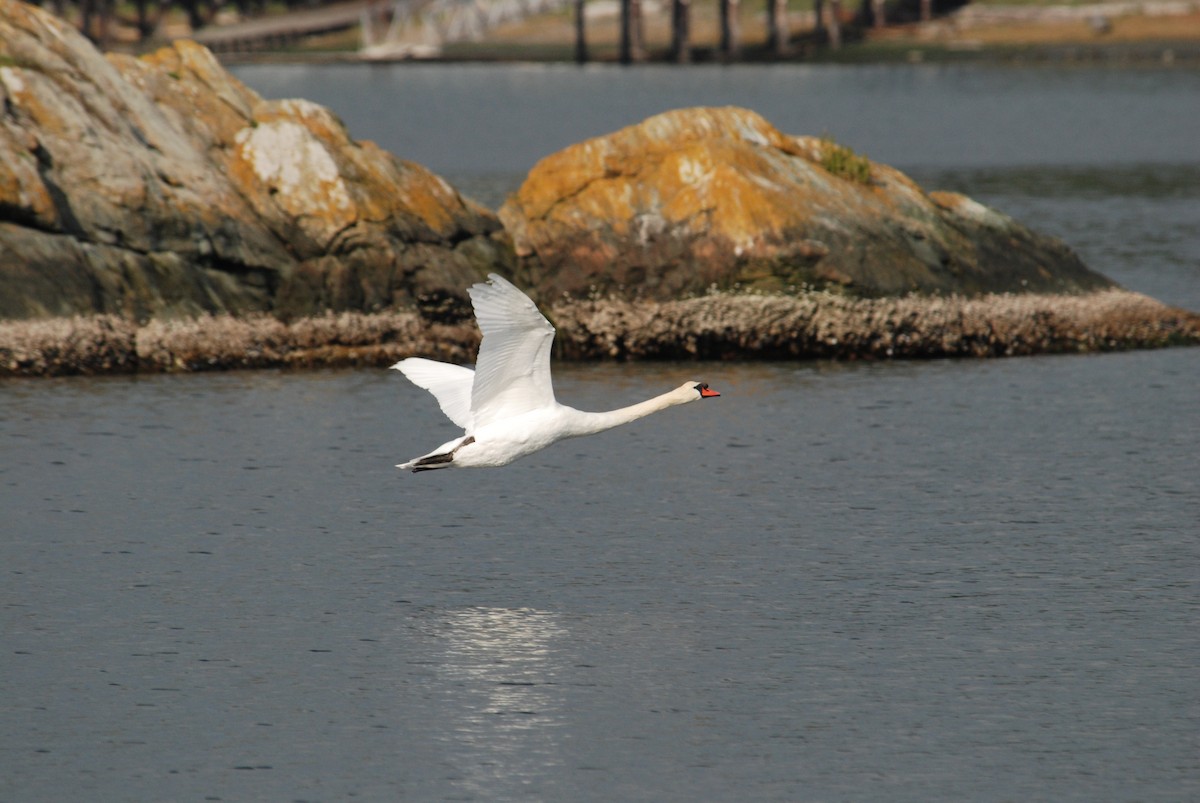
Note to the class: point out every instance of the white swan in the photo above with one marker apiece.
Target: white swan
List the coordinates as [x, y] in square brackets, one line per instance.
[506, 405]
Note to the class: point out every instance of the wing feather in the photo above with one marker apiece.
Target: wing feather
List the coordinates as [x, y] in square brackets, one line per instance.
[512, 374]
[449, 384]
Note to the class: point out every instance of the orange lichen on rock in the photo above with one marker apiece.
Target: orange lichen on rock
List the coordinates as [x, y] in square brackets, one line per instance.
[694, 198]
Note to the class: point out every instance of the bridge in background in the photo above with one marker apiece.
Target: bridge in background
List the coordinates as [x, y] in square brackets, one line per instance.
[275, 32]
[420, 28]
[402, 29]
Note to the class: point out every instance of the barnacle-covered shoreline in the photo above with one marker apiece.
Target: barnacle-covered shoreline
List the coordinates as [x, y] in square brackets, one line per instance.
[813, 325]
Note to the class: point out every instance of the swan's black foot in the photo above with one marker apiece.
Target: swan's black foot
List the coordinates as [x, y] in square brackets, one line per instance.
[436, 461]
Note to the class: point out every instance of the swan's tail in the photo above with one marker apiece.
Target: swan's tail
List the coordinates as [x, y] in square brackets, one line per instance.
[442, 457]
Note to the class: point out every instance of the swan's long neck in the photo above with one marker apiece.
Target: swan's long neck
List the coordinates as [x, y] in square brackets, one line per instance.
[583, 423]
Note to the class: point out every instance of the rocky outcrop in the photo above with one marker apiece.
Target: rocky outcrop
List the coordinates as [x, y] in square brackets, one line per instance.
[157, 215]
[162, 186]
[717, 197]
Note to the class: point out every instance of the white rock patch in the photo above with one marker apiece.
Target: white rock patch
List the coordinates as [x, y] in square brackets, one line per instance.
[287, 157]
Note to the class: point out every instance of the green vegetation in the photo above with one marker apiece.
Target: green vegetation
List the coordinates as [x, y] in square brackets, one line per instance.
[844, 162]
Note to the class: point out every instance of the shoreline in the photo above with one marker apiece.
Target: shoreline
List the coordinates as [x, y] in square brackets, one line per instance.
[1163, 33]
[1182, 53]
[1159, 54]
[721, 326]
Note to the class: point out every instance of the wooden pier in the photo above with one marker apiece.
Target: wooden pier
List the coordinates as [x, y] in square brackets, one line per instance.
[387, 25]
[273, 33]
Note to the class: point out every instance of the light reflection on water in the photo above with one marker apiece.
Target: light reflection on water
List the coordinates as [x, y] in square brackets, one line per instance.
[500, 672]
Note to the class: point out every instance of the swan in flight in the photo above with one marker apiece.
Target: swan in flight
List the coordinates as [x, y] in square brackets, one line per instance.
[506, 405]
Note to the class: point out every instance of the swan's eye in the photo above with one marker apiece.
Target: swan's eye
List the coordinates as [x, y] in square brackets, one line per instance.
[702, 386]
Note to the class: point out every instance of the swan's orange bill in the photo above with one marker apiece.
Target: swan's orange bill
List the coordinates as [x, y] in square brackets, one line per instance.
[706, 391]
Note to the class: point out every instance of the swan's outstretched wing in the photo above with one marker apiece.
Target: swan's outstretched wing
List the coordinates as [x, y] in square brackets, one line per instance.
[512, 374]
[449, 384]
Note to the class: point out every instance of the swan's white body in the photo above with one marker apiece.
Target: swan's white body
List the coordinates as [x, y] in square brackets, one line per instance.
[506, 406]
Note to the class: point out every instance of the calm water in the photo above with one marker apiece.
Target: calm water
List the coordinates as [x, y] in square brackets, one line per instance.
[470, 119]
[837, 582]
[892, 582]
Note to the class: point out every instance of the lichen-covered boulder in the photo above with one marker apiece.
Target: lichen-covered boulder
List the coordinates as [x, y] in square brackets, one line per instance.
[705, 197]
[162, 186]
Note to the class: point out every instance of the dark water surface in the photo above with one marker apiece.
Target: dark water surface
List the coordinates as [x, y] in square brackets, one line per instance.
[890, 582]
[952, 580]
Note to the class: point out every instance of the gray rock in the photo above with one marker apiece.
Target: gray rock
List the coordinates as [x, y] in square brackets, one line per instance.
[162, 186]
